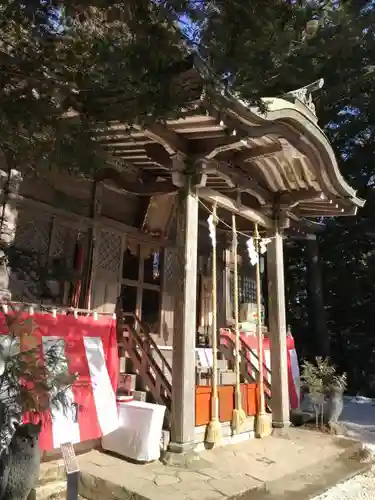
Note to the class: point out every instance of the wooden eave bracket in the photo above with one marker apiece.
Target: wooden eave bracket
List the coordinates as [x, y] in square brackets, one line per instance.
[234, 207]
[292, 199]
[137, 188]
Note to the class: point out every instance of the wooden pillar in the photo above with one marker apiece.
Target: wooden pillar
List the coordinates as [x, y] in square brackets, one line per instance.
[183, 365]
[277, 325]
[10, 182]
[93, 233]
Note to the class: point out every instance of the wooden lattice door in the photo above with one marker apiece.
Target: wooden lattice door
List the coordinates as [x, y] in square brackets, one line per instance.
[107, 265]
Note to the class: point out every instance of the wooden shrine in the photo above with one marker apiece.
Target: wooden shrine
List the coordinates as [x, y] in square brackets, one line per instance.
[138, 235]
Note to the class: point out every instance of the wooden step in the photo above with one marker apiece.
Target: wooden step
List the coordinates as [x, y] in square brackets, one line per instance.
[140, 396]
[222, 364]
[227, 377]
[165, 438]
[128, 382]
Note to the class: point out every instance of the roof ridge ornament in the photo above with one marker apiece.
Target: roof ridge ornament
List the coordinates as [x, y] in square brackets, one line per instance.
[305, 94]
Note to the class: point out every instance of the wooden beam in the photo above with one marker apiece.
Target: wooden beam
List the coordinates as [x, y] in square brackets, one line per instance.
[171, 141]
[204, 146]
[244, 183]
[292, 199]
[158, 154]
[223, 201]
[245, 199]
[77, 220]
[138, 188]
[328, 211]
[199, 180]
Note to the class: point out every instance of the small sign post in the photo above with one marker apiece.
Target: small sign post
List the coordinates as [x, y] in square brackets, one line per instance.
[72, 470]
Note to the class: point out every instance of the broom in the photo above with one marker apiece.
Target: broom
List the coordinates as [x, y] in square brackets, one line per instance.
[238, 416]
[263, 423]
[213, 434]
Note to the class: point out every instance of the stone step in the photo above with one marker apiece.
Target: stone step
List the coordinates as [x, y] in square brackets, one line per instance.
[227, 437]
[51, 472]
[48, 491]
[200, 432]
[226, 429]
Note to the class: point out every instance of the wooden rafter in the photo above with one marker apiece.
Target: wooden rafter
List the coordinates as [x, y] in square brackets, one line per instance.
[244, 183]
[291, 200]
[171, 141]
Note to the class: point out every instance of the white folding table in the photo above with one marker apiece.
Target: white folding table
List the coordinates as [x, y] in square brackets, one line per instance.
[139, 432]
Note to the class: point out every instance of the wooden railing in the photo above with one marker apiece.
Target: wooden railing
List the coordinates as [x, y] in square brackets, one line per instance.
[249, 363]
[147, 359]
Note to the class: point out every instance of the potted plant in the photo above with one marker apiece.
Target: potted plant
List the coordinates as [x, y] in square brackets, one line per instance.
[325, 389]
[335, 399]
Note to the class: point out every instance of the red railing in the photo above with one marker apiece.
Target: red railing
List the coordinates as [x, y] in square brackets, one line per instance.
[147, 360]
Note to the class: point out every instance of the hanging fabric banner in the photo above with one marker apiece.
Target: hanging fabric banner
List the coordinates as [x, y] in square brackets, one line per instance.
[87, 346]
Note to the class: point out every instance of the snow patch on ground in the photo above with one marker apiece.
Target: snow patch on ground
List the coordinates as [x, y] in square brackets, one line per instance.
[358, 417]
[359, 488]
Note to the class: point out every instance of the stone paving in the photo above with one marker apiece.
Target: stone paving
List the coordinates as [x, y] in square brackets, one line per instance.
[255, 468]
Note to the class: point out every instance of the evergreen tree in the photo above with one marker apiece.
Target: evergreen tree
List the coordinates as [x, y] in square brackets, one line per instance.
[69, 67]
[91, 62]
[342, 51]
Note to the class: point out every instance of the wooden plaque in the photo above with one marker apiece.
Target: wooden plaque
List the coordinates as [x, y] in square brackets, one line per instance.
[70, 459]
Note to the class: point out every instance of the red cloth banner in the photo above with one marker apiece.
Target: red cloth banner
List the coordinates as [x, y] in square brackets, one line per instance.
[251, 342]
[87, 348]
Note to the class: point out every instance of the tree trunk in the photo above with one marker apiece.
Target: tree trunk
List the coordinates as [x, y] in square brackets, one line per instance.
[316, 311]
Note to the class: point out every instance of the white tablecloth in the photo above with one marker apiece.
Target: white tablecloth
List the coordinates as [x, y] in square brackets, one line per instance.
[139, 432]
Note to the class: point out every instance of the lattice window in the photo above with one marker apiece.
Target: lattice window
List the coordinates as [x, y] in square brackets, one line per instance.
[219, 285]
[169, 264]
[110, 251]
[33, 233]
[246, 289]
[63, 243]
